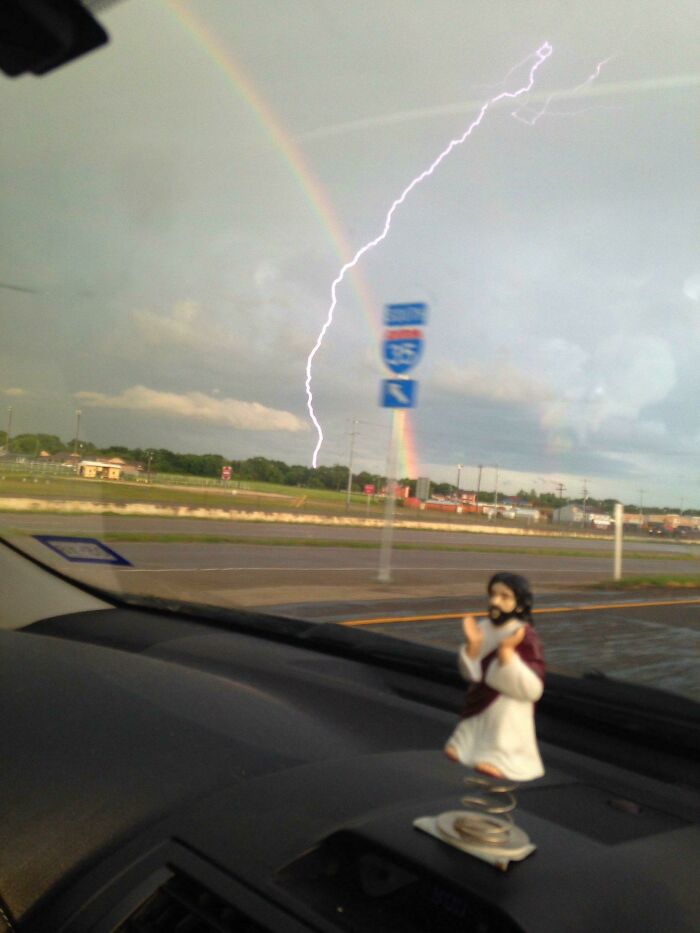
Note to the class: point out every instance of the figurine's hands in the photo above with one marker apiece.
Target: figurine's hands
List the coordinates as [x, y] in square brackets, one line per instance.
[474, 636]
[507, 647]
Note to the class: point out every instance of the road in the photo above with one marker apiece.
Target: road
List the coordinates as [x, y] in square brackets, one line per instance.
[95, 524]
[655, 644]
[243, 572]
[645, 641]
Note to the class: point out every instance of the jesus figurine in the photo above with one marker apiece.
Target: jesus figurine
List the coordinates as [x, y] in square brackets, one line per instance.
[503, 662]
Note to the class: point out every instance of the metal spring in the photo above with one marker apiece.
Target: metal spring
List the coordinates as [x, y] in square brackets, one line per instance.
[487, 820]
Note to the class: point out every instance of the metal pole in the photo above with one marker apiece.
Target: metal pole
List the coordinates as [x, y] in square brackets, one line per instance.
[561, 487]
[478, 485]
[459, 476]
[9, 428]
[352, 450]
[495, 496]
[389, 503]
[77, 430]
[617, 562]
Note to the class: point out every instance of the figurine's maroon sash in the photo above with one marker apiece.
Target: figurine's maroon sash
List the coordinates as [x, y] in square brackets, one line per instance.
[480, 695]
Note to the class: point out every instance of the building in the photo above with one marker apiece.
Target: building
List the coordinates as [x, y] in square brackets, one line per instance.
[573, 514]
[423, 488]
[100, 469]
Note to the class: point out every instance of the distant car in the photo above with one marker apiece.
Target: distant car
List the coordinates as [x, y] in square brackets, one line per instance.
[683, 531]
[631, 528]
[663, 531]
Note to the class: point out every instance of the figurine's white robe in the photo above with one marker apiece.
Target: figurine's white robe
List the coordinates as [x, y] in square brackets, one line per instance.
[503, 734]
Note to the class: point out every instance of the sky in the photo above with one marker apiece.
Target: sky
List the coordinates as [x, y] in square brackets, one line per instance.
[177, 205]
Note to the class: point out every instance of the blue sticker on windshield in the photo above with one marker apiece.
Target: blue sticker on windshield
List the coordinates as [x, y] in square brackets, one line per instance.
[83, 550]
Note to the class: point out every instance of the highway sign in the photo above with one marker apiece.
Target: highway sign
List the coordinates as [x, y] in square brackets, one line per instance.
[226, 472]
[369, 489]
[399, 393]
[410, 315]
[402, 348]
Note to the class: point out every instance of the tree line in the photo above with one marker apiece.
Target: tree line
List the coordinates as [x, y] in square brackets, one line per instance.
[262, 469]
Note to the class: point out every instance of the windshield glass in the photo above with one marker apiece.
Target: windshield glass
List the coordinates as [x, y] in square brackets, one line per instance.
[334, 310]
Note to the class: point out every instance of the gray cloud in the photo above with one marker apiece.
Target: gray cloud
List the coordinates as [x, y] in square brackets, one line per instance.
[180, 244]
[479, 380]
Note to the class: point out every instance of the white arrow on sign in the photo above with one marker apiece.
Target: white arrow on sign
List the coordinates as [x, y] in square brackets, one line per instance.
[398, 393]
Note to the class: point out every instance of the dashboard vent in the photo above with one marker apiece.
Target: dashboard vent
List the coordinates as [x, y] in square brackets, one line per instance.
[182, 905]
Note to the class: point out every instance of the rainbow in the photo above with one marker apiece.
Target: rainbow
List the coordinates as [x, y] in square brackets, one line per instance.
[408, 457]
[310, 186]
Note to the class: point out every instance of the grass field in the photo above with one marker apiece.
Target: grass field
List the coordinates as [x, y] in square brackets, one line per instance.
[255, 496]
[181, 491]
[651, 581]
[251, 496]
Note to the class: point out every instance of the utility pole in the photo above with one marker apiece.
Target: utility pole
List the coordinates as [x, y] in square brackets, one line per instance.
[641, 507]
[560, 487]
[478, 485]
[459, 474]
[148, 469]
[78, 413]
[350, 456]
[585, 497]
[9, 428]
[495, 495]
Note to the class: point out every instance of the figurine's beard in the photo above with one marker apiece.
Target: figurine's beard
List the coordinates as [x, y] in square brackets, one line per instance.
[500, 618]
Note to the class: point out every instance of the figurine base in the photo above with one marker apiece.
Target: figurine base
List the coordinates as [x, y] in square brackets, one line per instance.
[513, 846]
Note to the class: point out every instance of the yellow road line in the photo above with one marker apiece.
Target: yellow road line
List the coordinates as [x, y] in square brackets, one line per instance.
[547, 609]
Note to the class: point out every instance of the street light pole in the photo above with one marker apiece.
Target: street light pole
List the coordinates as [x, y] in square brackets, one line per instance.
[459, 475]
[9, 428]
[495, 496]
[478, 485]
[352, 451]
[78, 413]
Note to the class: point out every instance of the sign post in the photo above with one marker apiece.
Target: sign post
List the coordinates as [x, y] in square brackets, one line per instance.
[617, 562]
[389, 503]
[402, 348]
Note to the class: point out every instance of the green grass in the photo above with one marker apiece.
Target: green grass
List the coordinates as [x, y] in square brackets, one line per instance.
[61, 488]
[651, 581]
[257, 496]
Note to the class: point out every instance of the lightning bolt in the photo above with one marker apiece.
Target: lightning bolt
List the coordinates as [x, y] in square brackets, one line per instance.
[579, 87]
[540, 56]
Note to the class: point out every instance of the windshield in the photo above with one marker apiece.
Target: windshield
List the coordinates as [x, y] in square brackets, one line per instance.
[334, 310]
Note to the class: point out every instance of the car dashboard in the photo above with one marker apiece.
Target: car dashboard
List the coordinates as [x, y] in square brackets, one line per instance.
[166, 770]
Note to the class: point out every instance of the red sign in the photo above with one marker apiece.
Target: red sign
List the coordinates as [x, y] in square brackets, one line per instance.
[369, 489]
[404, 333]
[226, 472]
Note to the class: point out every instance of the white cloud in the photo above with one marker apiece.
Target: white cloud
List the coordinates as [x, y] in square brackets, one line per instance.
[691, 287]
[196, 406]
